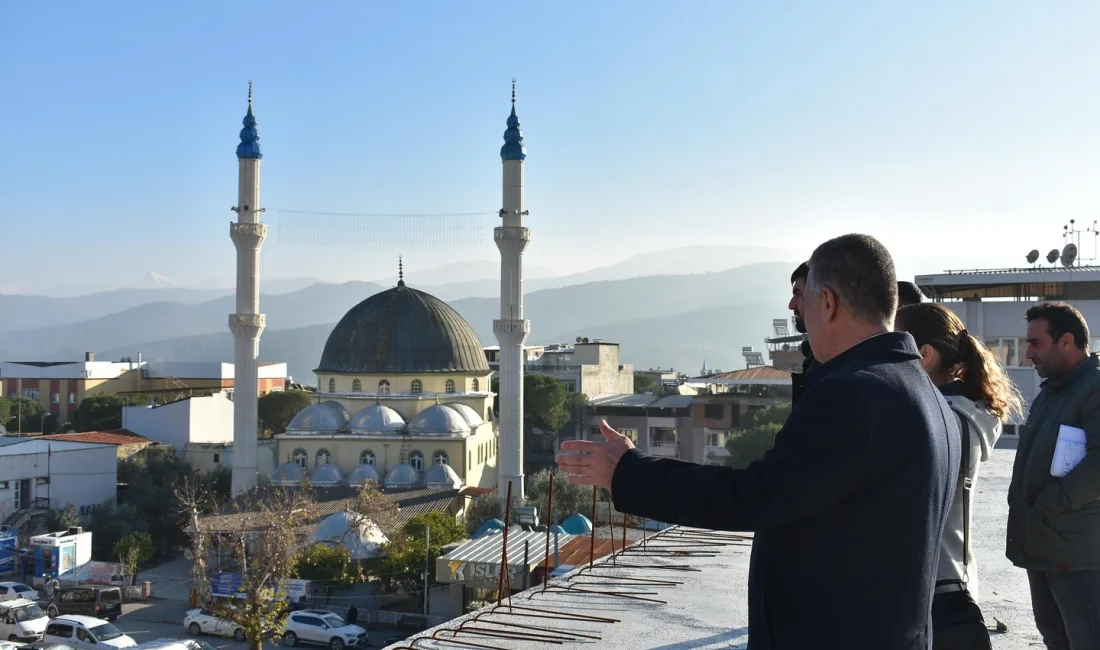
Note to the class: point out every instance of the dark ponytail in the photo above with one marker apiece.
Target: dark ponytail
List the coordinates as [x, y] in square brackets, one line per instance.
[962, 357]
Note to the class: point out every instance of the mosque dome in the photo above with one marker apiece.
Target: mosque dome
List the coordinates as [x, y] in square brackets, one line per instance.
[490, 527]
[359, 535]
[442, 476]
[325, 417]
[468, 413]
[376, 418]
[438, 419]
[402, 330]
[287, 474]
[326, 474]
[363, 474]
[577, 524]
[403, 476]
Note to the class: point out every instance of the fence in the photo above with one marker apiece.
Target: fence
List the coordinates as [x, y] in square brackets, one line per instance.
[388, 617]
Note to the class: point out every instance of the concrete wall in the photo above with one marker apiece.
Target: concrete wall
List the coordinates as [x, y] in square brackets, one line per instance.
[79, 474]
[199, 419]
[211, 418]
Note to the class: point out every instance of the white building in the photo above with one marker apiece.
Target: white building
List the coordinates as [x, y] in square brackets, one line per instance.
[36, 475]
[191, 420]
[992, 304]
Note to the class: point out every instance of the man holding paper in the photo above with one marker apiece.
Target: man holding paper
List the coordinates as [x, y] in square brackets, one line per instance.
[1054, 498]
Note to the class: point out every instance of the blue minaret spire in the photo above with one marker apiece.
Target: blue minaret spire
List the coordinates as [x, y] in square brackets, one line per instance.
[513, 148]
[249, 148]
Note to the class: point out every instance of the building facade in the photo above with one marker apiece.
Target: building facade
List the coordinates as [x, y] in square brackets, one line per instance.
[37, 474]
[588, 367]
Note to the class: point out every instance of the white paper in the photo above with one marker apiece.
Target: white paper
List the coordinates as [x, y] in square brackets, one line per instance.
[1070, 450]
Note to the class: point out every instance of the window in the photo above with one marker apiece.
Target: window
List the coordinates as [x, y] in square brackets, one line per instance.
[570, 386]
[300, 457]
[440, 458]
[55, 398]
[60, 630]
[1009, 351]
[416, 459]
[383, 387]
[82, 635]
[30, 393]
[332, 385]
[4, 485]
[42, 480]
[366, 457]
[714, 411]
[356, 386]
[322, 457]
[216, 458]
[72, 398]
[417, 387]
[469, 459]
[449, 387]
[475, 385]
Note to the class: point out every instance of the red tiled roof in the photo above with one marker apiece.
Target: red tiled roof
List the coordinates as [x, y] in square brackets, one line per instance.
[113, 437]
[761, 373]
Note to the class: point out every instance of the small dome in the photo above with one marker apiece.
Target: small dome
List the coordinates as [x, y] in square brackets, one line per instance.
[438, 419]
[325, 417]
[442, 476]
[488, 528]
[363, 474]
[577, 524]
[403, 476]
[327, 474]
[359, 535]
[468, 413]
[287, 474]
[558, 530]
[376, 418]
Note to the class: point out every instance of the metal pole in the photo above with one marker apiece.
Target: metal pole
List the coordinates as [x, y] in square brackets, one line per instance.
[427, 543]
[557, 524]
[526, 564]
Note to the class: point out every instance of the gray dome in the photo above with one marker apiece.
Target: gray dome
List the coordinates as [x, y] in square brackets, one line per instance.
[325, 417]
[402, 330]
[327, 474]
[468, 413]
[363, 474]
[359, 535]
[287, 474]
[438, 419]
[376, 418]
[442, 476]
[403, 476]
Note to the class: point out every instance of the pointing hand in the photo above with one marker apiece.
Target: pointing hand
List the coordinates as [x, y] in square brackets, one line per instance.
[593, 463]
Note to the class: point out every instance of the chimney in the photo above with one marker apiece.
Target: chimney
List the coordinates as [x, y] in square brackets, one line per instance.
[89, 356]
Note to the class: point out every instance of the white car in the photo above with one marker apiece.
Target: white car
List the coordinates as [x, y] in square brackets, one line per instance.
[202, 621]
[15, 590]
[22, 620]
[85, 633]
[322, 628]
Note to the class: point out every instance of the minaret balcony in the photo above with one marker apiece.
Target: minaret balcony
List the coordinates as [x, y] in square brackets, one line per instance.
[248, 233]
[247, 326]
[512, 233]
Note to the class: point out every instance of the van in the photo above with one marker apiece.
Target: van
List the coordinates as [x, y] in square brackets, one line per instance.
[89, 600]
[85, 633]
[22, 620]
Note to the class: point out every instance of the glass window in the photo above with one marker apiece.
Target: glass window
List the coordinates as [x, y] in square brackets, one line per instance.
[322, 457]
[300, 457]
[366, 457]
[475, 385]
[332, 385]
[440, 458]
[449, 386]
[356, 386]
[55, 398]
[72, 398]
[1008, 347]
[416, 459]
[383, 387]
[417, 387]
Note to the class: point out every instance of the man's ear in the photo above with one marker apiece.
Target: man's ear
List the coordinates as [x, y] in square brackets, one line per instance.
[829, 303]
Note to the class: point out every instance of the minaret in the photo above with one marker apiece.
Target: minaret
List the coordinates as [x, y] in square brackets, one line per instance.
[247, 323]
[511, 329]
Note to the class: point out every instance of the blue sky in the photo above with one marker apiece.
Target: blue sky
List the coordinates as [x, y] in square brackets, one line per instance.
[959, 129]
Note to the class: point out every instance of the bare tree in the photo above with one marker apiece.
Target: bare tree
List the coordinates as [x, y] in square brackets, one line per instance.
[193, 503]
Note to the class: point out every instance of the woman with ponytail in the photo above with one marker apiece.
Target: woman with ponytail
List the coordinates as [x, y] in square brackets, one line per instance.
[982, 398]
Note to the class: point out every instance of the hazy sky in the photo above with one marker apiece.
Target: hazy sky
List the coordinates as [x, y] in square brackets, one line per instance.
[969, 130]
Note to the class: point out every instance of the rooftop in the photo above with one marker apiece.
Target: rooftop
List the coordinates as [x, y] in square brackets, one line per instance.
[113, 437]
[760, 376]
[708, 607]
[643, 400]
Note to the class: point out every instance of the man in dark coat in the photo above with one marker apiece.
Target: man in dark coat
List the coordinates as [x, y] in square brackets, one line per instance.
[798, 290]
[849, 507]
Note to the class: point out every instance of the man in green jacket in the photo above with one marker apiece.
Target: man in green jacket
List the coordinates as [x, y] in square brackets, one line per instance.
[1053, 514]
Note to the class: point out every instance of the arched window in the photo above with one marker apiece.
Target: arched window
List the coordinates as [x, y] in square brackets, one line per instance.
[322, 457]
[417, 387]
[366, 457]
[449, 386]
[440, 458]
[300, 457]
[383, 387]
[416, 459]
[475, 385]
[356, 386]
[332, 385]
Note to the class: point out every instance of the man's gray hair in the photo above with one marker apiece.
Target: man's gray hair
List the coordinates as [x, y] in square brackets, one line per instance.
[860, 271]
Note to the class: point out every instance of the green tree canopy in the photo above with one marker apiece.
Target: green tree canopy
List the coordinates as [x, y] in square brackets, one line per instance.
[110, 523]
[131, 550]
[327, 566]
[5, 411]
[104, 412]
[32, 413]
[546, 402]
[62, 519]
[277, 409]
[750, 445]
[645, 383]
[568, 498]
[403, 564]
[774, 414]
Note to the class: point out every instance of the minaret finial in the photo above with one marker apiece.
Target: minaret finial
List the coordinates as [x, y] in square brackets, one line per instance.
[249, 148]
[250, 93]
[513, 148]
[513, 91]
[400, 271]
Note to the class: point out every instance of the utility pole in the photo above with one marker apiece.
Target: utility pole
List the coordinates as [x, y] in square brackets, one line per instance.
[427, 543]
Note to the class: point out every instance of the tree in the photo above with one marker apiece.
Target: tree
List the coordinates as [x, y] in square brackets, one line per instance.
[645, 383]
[62, 519]
[403, 564]
[750, 445]
[29, 410]
[131, 551]
[568, 498]
[150, 477]
[277, 409]
[110, 523]
[104, 412]
[546, 402]
[490, 506]
[5, 411]
[328, 566]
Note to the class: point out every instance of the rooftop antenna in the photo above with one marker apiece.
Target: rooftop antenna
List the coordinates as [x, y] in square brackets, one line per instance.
[1032, 257]
[1052, 256]
[1071, 234]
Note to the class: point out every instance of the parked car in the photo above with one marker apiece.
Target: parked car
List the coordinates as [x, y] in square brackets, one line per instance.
[14, 590]
[174, 644]
[85, 633]
[202, 621]
[322, 628]
[22, 620]
[92, 600]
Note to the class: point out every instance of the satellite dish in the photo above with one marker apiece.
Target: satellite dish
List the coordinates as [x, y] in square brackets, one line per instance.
[1032, 256]
[578, 339]
[1052, 256]
[1069, 254]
